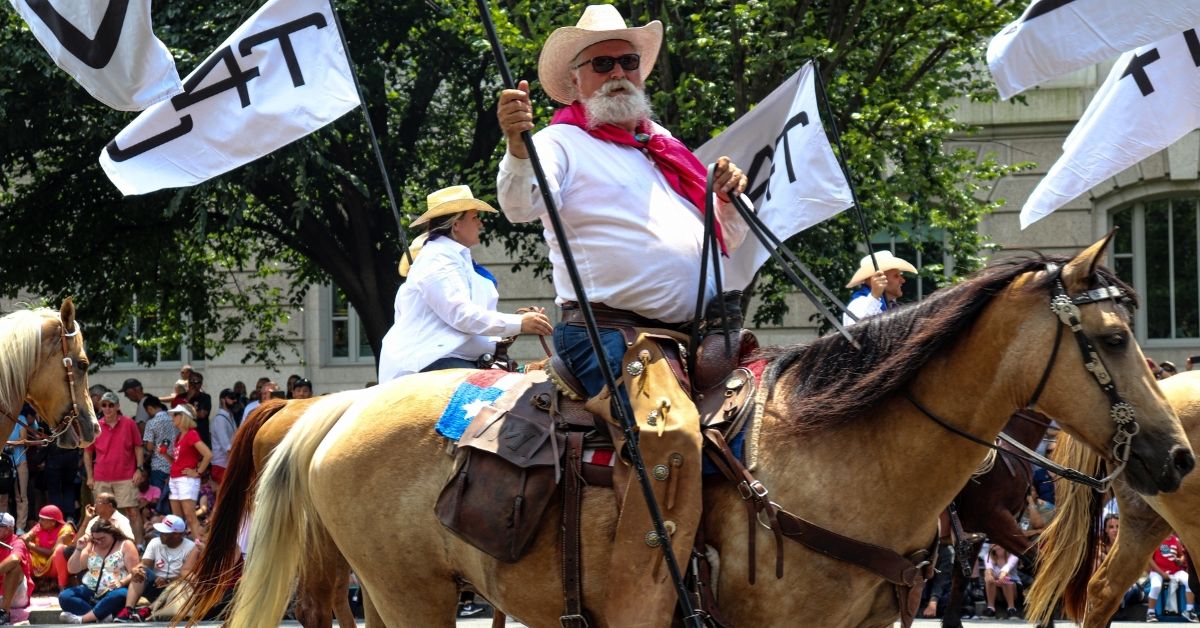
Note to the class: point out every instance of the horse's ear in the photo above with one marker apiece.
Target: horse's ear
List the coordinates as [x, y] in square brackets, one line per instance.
[1077, 274]
[66, 315]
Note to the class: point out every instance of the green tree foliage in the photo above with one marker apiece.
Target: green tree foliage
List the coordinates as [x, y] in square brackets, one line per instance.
[231, 258]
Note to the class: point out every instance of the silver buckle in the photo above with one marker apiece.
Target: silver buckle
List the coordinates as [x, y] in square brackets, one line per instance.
[562, 621]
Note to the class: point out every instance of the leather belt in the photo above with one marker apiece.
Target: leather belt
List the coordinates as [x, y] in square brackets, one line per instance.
[613, 318]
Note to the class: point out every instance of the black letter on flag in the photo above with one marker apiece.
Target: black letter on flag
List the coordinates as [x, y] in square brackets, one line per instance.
[96, 53]
[1042, 7]
[1137, 67]
[282, 33]
[1193, 44]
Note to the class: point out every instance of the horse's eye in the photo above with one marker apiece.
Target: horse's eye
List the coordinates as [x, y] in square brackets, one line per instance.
[1115, 340]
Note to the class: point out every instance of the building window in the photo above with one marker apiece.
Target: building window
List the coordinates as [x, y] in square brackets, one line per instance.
[1155, 249]
[347, 341]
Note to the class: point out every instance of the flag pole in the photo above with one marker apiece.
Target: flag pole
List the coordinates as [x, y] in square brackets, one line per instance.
[841, 156]
[620, 405]
[387, 181]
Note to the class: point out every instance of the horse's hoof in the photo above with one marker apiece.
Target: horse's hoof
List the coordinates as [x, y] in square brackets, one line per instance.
[951, 622]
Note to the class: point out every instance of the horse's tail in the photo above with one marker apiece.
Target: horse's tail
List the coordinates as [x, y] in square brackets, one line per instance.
[283, 518]
[1067, 548]
[217, 568]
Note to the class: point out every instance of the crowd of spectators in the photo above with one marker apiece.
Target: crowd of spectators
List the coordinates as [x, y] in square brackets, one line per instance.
[123, 518]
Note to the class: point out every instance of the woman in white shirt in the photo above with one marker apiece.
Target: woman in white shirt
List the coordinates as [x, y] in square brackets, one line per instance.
[446, 310]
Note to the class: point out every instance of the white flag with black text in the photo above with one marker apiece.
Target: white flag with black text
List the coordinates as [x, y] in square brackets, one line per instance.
[1150, 100]
[108, 46]
[795, 179]
[280, 76]
[1054, 37]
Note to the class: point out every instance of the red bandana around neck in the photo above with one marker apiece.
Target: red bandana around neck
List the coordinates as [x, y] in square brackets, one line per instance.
[684, 173]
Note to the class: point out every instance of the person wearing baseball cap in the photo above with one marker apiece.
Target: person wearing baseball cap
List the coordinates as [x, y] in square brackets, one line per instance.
[168, 557]
[132, 389]
[114, 463]
[876, 290]
[15, 569]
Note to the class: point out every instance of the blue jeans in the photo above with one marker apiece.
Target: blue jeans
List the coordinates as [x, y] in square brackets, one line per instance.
[77, 600]
[161, 479]
[572, 345]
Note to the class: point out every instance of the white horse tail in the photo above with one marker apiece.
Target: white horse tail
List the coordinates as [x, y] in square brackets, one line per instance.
[1067, 548]
[282, 517]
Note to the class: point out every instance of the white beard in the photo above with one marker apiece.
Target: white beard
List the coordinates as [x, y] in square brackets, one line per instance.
[629, 106]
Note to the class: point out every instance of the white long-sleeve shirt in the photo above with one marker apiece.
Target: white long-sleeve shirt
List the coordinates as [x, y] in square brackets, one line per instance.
[444, 309]
[636, 241]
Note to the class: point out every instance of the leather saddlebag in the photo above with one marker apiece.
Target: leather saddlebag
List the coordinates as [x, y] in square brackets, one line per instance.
[506, 473]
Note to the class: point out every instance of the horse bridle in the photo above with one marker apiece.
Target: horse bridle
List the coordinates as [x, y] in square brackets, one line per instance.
[1066, 308]
[69, 419]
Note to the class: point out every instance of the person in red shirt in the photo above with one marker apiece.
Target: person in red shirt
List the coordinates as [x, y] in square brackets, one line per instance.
[114, 462]
[15, 569]
[1169, 563]
[188, 463]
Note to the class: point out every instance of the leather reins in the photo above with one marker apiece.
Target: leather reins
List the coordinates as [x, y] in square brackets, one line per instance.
[1066, 309]
[70, 418]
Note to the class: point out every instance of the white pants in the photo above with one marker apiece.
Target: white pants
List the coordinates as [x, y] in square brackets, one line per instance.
[1156, 582]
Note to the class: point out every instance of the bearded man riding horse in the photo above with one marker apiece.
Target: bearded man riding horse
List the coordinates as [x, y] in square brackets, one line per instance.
[632, 197]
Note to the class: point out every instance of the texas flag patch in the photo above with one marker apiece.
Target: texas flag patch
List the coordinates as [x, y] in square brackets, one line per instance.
[477, 392]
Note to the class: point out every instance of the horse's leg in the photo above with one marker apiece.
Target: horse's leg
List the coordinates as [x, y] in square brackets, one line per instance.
[952, 615]
[1141, 531]
[372, 616]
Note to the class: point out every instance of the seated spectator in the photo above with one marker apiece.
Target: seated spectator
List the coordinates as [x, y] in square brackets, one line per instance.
[167, 558]
[14, 569]
[1170, 563]
[1000, 570]
[107, 557]
[1038, 513]
[1108, 540]
[180, 393]
[47, 543]
[105, 509]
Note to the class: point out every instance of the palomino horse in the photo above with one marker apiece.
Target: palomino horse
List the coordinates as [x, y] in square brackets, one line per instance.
[844, 443]
[991, 504]
[42, 361]
[321, 593]
[1145, 522]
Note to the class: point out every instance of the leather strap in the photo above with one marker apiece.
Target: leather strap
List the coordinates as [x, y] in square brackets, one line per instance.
[611, 317]
[572, 578]
[907, 574]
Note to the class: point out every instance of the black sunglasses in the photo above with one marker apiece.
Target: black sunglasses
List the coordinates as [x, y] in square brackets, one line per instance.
[600, 65]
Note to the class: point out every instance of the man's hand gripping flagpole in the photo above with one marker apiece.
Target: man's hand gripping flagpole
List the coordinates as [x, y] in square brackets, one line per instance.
[620, 408]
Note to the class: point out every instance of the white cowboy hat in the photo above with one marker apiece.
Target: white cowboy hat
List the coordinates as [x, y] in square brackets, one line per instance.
[886, 260]
[451, 200]
[600, 22]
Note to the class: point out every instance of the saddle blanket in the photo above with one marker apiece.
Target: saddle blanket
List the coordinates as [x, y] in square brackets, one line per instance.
[475, 393]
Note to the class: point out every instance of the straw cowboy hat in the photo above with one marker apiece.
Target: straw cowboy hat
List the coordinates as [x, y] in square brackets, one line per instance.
[600, 22]
[446, 201]
[886, 260]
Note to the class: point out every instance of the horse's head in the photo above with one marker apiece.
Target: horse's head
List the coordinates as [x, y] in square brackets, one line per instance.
[57, 380]
[1098, 385]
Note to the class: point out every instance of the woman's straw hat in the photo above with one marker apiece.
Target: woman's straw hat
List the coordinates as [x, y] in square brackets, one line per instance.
[600, 22]
[451, 200]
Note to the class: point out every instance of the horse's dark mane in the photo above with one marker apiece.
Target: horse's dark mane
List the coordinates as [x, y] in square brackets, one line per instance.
[831, 382]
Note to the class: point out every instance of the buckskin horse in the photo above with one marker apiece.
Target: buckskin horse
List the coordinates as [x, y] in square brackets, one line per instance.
[43, 361]
[1066, 570]
[871, 443]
